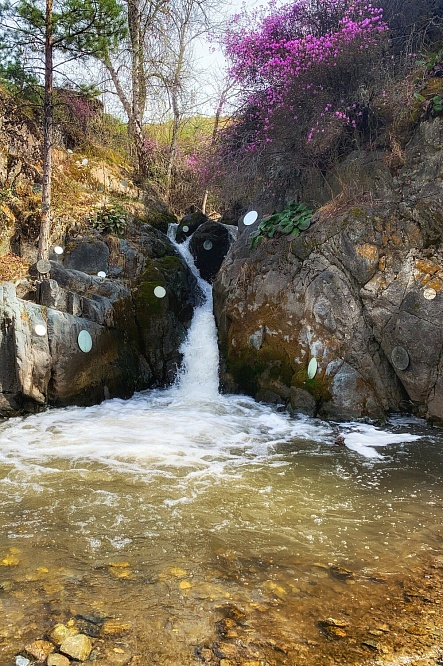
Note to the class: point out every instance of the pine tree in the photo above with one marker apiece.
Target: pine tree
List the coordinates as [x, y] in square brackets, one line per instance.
[53, 33]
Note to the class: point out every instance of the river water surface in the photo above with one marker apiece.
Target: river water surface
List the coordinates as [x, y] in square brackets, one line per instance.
[218, 530]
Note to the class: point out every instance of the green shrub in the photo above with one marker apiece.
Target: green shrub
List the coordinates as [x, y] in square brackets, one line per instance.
[110, 220]
[293, 219]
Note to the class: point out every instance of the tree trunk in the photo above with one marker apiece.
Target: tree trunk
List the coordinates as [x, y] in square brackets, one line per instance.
[174, 141]
[175, 91]
[134, 124]
[45, 224]
[138, 85]
[218, 113]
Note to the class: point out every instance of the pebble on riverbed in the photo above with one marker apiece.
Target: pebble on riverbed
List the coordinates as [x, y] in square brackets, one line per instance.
[115, 628]
[67, 641]
[22, 661]
[333, 628]
[58, 660]
[40, 649]
[11, 559]
[78, 647]
[60, 632]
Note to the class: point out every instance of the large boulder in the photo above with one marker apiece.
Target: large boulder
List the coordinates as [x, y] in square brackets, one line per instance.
[189, 224]
[209, 246]
[91, 256]
[360, 291]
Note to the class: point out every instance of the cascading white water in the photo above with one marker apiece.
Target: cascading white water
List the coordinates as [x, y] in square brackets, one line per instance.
[199, 378]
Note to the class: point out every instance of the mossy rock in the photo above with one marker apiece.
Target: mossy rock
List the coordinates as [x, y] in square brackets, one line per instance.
[168, 272]
[190, 223]
[160, 268]
[147, 302]
[161, 221]
[169, 263]
[259, 370]
[318, 387]
[245, 374]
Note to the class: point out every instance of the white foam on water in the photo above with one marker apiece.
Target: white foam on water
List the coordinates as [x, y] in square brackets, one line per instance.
[155, 432]
[366, 439]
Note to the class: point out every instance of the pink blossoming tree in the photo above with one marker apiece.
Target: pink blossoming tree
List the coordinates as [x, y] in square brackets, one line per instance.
[307, 71]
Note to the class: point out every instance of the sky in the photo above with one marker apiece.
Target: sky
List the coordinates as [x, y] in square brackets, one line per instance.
[211, 64]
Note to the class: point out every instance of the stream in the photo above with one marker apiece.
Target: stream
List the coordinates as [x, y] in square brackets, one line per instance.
[206, 528]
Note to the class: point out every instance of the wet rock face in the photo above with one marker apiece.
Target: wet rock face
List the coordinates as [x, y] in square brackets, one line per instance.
[209, 245]
[135, 335]
[162, 322]
[360, 291]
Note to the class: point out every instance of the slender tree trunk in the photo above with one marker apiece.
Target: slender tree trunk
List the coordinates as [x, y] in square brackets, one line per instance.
[218, 113]
[45, 225]
[134, 124]
[134, 34]
[135, 118]
[205, 201]
[174, 142]
[175, 90]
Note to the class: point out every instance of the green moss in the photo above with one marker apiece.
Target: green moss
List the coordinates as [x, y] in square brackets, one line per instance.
[151, 272]
[157, 273]
[169, 263]
[318, 387]
[146, 301]
[160, 270]
[254, 369]
[161, 221]
[280, 370]
[245, 373]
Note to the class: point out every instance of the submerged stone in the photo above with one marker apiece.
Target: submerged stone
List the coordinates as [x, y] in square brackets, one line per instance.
[116, 627]
[21, 661]
[417, 630]
[78, 647]
[11, 559]
[60, 632]
[177, 572]
[57, 660]
[40, 649]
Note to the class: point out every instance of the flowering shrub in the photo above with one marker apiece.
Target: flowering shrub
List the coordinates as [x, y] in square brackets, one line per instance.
[74, 113]
[284, 55]
[307, 71]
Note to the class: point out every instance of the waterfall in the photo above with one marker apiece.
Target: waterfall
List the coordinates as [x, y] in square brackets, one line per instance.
[199, 376]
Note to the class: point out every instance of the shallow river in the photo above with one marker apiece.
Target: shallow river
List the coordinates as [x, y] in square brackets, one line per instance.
[212, 529]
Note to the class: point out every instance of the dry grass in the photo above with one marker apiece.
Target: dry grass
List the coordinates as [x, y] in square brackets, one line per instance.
[341, 204]
[12, 268]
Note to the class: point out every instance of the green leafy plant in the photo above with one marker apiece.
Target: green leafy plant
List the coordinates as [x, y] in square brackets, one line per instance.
[290, 221]
[433, 63]
[436, 104]
[431, 107]
[110, 220]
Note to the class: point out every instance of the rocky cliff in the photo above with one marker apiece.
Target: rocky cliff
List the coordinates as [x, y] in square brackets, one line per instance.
[360, 292]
